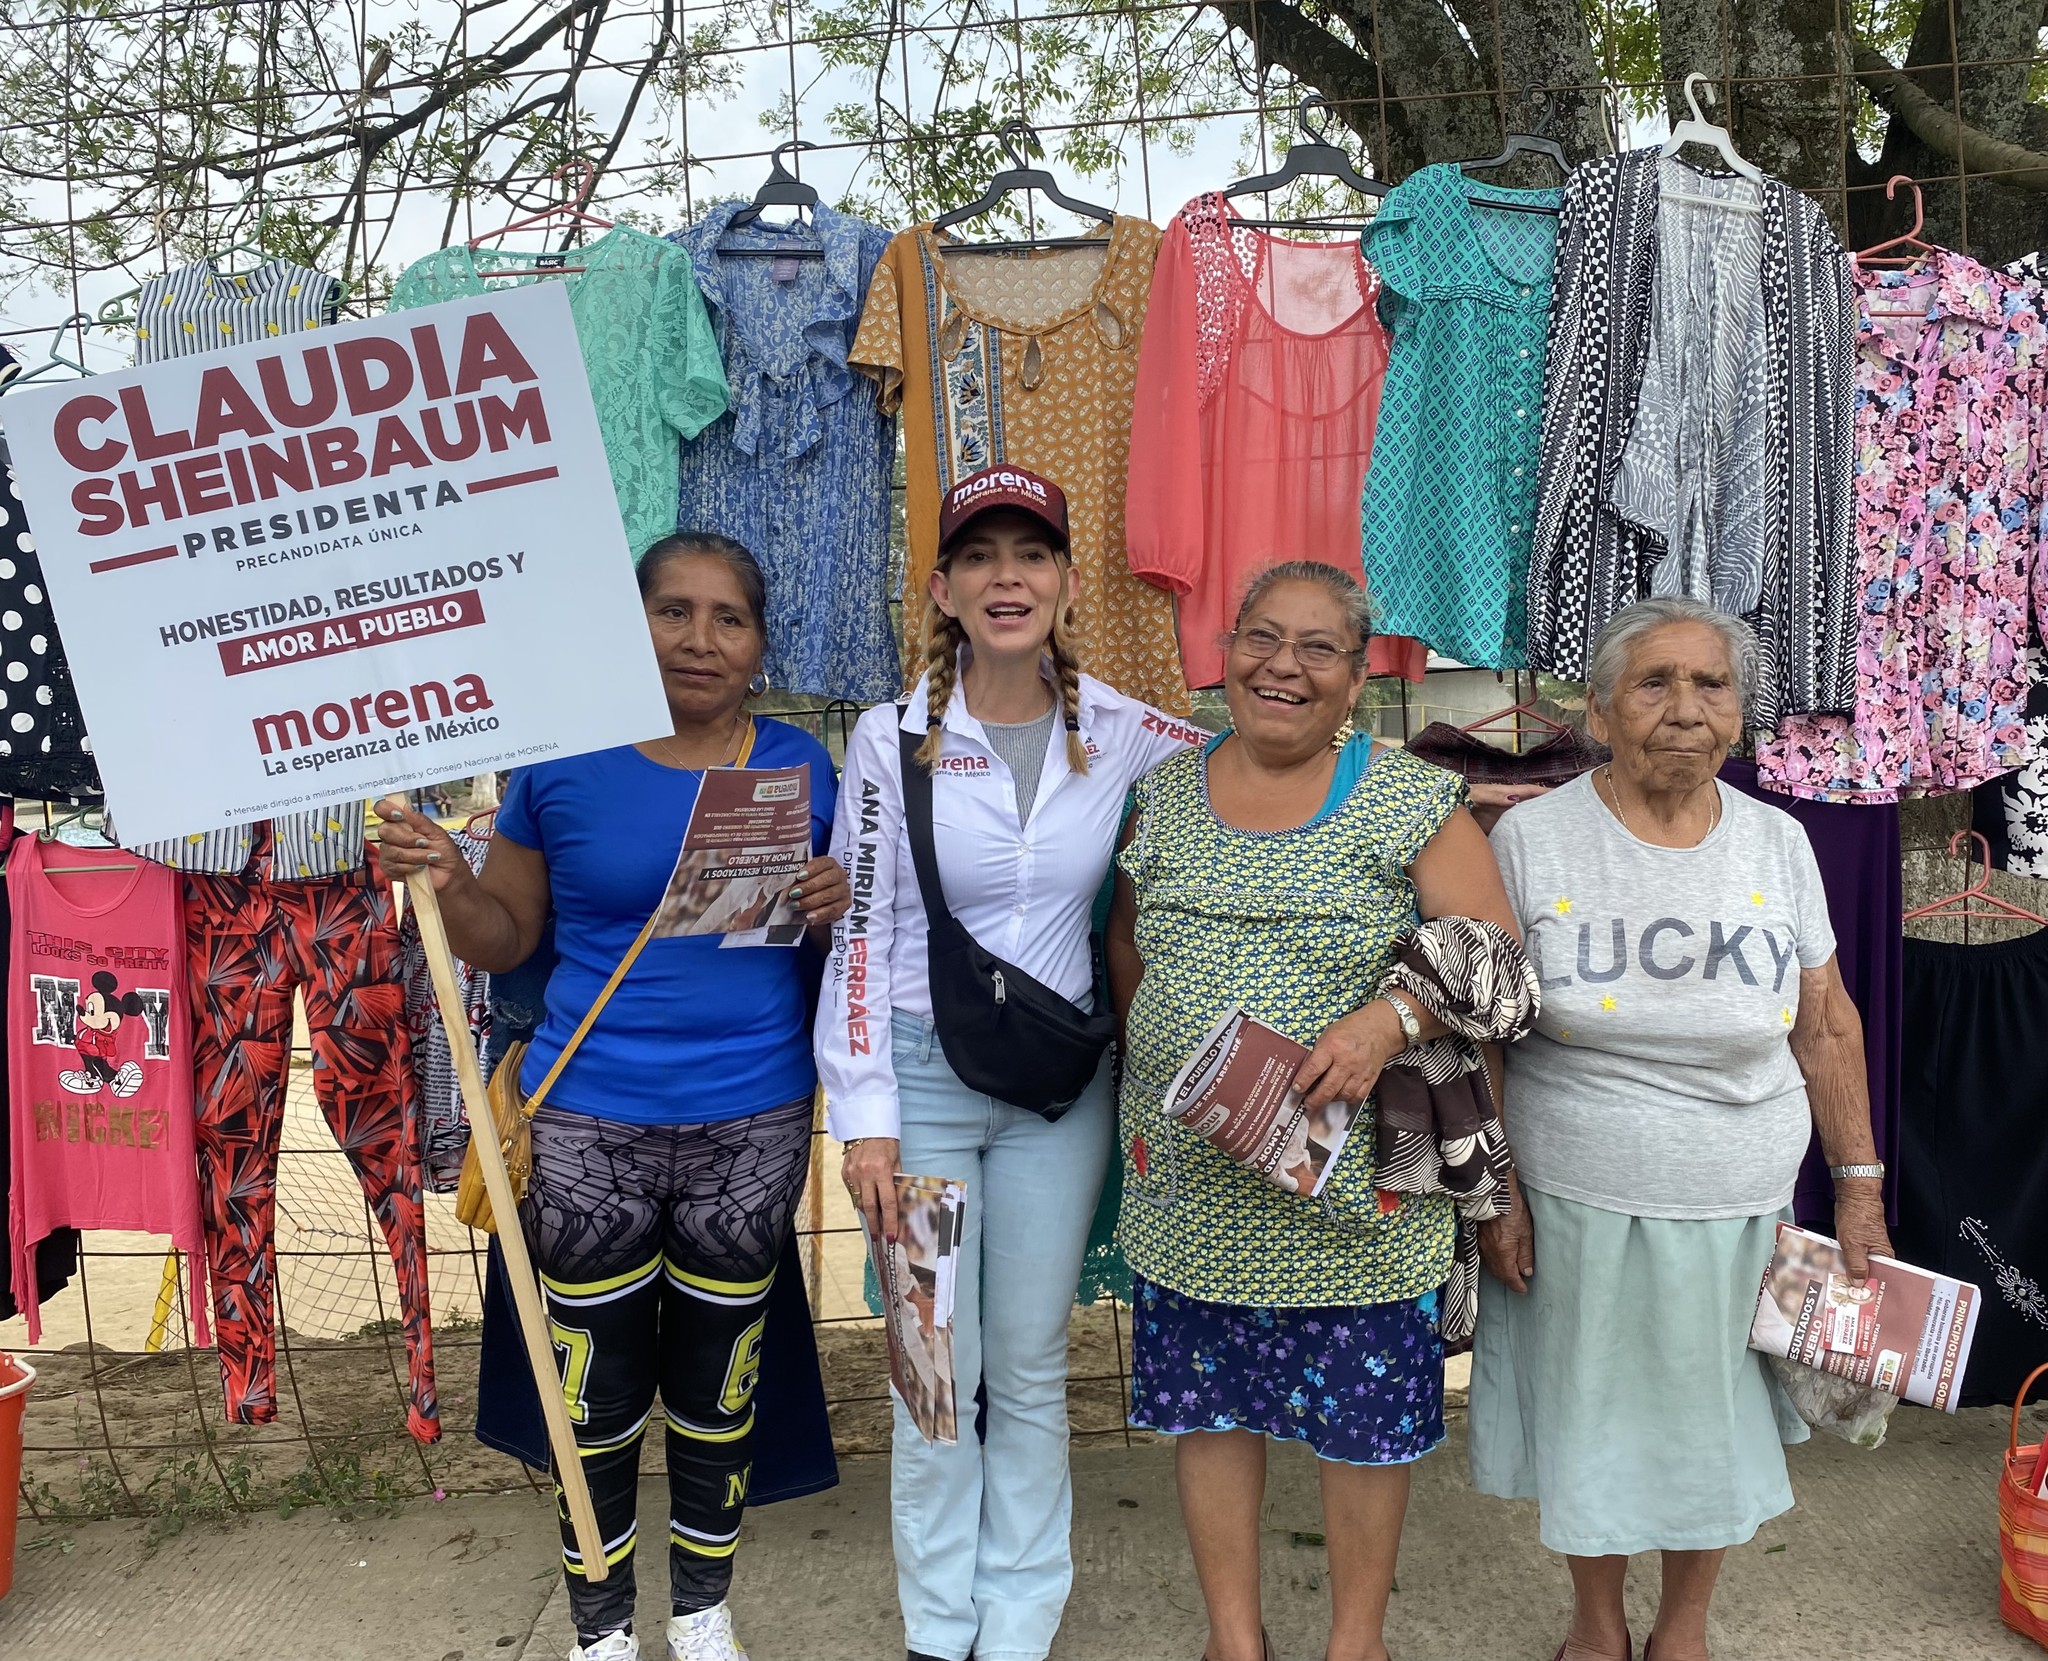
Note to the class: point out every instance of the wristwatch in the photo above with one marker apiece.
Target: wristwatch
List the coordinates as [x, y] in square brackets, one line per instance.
[1837, 1172]
[1410, 1027]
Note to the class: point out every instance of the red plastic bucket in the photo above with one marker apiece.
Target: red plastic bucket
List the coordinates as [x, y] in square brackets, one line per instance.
[16, 1380]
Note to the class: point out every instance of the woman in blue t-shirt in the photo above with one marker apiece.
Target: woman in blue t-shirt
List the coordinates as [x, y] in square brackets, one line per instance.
[670, 1152]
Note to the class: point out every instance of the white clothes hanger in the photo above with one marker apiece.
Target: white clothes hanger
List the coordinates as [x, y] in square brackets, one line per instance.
[1699, 130]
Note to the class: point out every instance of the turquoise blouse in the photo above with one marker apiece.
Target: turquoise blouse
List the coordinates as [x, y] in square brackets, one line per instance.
[655, 374]
[1450, 498]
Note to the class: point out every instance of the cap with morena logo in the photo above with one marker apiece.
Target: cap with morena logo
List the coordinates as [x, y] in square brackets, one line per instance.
[1015, 488]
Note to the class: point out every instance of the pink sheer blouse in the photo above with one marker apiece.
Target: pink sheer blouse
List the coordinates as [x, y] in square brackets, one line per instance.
[1258, 385]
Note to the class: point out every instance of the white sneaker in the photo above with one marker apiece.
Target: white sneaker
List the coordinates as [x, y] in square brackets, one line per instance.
[80, 1083]
[613, 1646]
[128, 1080]
[704, 1636]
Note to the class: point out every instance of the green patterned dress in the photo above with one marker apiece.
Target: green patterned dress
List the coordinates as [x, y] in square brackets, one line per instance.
[1298, 926]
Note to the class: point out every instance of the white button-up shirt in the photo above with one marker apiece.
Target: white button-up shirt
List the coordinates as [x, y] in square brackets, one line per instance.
[1024, 892]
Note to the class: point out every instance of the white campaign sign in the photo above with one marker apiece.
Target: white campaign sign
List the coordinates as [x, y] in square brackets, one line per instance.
[332, 564]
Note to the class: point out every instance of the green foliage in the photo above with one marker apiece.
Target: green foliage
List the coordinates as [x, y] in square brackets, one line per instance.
[339, 1484]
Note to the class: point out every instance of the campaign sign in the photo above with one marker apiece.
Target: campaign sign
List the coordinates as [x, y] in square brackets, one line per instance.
[328, 565]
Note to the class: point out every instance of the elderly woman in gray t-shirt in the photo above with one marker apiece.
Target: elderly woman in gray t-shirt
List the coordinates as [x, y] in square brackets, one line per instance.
[1695, 1032]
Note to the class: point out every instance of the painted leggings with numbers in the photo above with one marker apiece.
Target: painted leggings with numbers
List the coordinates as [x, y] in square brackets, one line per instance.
[656, 1246]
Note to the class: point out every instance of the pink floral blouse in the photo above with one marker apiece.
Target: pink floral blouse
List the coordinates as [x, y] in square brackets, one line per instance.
[1951, 412]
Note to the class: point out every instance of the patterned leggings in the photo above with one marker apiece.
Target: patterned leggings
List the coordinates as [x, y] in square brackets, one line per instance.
[656, 1246]
[249, 942]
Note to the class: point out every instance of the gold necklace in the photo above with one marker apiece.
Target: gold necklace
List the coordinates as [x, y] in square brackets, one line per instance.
[1614, 795]
[738, 726]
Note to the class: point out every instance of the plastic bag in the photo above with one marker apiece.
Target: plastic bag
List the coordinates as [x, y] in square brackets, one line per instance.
[1855, 1412]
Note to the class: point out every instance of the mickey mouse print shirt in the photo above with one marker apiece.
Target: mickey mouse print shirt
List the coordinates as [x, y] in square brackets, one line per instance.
[99, 1057]
[1660, 1079]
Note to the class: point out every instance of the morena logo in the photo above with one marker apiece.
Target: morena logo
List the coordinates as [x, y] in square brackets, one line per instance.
[1000, 480]
[961, 764]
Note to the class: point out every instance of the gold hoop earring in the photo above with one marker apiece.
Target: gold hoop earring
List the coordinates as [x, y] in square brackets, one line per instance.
[1343, 735]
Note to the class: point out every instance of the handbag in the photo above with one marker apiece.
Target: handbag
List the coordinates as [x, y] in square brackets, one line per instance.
[512, 1114]
[1004, 1033]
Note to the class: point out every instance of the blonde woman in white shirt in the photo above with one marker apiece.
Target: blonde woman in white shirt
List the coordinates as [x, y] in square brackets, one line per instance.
[1030, 761]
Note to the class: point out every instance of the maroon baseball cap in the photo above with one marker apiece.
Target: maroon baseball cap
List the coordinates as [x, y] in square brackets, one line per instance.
[1002, 487]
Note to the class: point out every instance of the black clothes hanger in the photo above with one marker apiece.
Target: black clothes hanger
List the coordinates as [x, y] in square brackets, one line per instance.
[1525, 144]
[1018, 142]
[781, 189]
[1311, 156]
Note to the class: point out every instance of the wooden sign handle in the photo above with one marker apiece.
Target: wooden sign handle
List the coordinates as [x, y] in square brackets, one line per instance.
[533, 1320]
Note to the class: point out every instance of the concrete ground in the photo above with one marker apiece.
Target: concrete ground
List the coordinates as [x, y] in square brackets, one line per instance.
[1889, 1555]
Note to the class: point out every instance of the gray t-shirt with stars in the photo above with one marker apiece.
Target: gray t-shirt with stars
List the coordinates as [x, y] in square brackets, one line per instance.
[1660, 1079]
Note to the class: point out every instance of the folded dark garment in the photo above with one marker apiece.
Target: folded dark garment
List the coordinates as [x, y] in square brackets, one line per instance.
[1557, 759]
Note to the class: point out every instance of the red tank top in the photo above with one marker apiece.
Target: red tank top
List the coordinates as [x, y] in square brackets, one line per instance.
[99, 1058]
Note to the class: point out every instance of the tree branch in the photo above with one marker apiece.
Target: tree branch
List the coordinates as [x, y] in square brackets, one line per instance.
[1943, 132]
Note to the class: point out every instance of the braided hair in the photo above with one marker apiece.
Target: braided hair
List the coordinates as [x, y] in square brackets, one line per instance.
[944, 637]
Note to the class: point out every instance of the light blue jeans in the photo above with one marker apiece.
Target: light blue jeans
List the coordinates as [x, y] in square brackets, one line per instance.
[983, 1561]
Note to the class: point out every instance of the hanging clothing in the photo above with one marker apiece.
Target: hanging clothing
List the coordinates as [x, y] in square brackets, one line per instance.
[1951, 394]
[1450, 503]
[655, 377]
[99, 1066]
[200, 308]
[1971, 1160]
[2011, 812]
[249, 942]
[1556, 758]
[44, 750]
[1258, 391]
[1032, 359]
[1630, 299]
[55, 1256]
[1857, 849]
[797, 469]
[444, 1122]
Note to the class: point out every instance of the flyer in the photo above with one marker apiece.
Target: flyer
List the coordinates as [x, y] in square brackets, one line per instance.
[917, 1277]
[748, 840]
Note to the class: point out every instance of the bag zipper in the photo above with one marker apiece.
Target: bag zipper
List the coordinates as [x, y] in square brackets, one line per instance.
[1002, 991]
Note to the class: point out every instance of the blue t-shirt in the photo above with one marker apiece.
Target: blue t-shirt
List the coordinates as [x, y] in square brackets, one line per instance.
[694, 1033]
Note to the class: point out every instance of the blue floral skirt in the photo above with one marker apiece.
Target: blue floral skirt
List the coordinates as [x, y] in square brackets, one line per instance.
[1361, 1385]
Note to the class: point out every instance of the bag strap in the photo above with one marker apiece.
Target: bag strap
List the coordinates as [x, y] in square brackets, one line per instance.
[917, 821]
[632, 953]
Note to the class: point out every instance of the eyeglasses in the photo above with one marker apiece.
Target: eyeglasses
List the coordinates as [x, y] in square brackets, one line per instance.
[1312, 655]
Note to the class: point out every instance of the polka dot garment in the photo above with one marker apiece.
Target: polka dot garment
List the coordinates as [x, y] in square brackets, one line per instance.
[44, 750]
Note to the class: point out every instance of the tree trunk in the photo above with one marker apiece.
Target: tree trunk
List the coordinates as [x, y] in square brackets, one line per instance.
[1419, 90]
[1777, 69]
[1990, 220]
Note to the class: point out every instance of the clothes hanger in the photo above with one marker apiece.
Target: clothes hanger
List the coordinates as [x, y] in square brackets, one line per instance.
[1018, 142]
[1524, 144]
[1699, 130]
[571, 213]
[1310, 156]
[53, 356]
[2005, 910]
[1864, 258]
[781, 189]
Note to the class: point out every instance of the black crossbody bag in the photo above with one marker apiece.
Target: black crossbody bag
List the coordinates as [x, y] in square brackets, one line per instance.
[1004, 1033]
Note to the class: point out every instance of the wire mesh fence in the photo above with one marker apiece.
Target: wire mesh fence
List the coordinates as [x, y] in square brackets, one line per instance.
[358, 138]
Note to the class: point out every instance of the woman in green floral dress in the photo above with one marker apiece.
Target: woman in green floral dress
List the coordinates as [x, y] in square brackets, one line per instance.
[1275, 868]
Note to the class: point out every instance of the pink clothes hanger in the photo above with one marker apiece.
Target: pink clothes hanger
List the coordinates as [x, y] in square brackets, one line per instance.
[2004, 911]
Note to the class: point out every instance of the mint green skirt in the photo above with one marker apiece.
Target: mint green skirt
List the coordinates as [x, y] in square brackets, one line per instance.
[1621, 1394]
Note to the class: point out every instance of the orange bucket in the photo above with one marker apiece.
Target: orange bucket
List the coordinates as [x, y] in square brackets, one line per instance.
[16, 1379]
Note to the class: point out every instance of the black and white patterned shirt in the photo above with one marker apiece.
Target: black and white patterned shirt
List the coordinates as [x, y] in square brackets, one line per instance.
[44, 751]
[200, 308]
[1682, 417]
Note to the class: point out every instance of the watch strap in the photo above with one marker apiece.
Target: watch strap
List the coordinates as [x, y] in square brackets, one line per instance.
[1838, 1172]
[1411, 1028]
